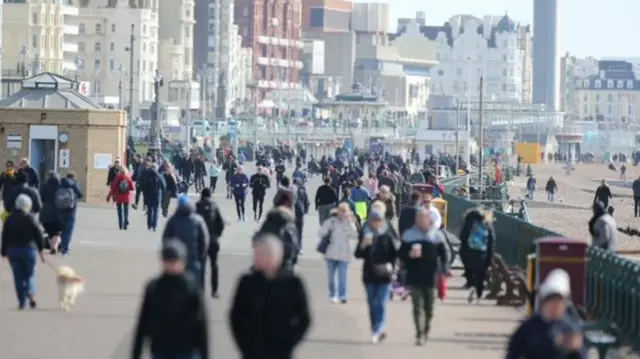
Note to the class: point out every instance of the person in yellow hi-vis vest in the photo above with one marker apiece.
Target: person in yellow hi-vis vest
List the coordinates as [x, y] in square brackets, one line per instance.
[7, 182]
[360, 197]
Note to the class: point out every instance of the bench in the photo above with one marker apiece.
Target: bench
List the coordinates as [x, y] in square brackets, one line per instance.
[454, 250]
[508, 285]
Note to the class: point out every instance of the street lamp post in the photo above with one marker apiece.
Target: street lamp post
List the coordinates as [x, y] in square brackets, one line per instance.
[155, 145]
[187, 114]
[78, 63]
[24, 53]
[468, 123]
[122, 72]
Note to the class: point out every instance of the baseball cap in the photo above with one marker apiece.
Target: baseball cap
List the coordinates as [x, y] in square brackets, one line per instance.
[173, 250]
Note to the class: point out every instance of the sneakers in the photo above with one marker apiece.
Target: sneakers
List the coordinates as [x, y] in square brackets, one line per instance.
[421, 340]
[335, 300]
[472, 296]
[377, 338]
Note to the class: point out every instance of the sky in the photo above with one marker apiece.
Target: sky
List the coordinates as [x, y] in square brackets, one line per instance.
[588, 27]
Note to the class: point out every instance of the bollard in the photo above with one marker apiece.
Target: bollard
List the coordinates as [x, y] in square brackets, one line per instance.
[531, 282]
[568, 254]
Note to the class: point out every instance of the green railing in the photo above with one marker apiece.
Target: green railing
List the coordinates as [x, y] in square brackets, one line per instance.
[613, 282]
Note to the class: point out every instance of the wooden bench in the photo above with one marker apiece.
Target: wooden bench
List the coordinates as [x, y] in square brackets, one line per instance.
[508, 285]
[602, 335]
[454, 250]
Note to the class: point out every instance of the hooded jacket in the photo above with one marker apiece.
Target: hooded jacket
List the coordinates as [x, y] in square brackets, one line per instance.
[29, 191]
[470, 218]
[189, 228]
[281, 223]
[115, 192]
[239, 183]
[212, 217]
[49, 214]
[286, 196]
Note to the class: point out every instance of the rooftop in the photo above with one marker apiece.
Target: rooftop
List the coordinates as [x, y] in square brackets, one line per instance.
[50, 91]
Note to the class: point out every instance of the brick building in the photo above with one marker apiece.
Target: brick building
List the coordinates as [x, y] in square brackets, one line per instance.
[273, 29]
[327, 15]
[58, 129]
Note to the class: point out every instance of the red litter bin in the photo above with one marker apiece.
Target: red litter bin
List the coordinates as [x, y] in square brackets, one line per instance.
[568, 254]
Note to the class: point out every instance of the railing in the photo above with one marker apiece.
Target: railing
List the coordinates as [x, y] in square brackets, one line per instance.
[613, 282]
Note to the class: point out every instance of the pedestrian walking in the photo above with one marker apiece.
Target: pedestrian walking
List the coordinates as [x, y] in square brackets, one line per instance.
[551, 188]
[239, 183]
[270, 313]
[603, 194]
[22, 243]
[259, 182]
[301, 209]
[66, 202]
[477, 242]
[603, 228]
[636, 197]
[339, 229]
[424, 254]
[210, 212]
[191, 229]
[173, 315]
[325, 200]
[49, 216]
[280, 222]
[214, 173]
[377, 250]
[153, 188]
[21, 186]
[120, 193]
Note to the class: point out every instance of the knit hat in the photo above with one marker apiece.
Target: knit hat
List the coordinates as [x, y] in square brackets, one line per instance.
[173, 250]
[183, 201]
[557, 283]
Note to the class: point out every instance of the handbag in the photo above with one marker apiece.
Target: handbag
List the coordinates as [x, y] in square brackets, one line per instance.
[384, 270]
[324, 243]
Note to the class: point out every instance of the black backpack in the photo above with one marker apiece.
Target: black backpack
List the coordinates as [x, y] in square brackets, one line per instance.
[65, 198]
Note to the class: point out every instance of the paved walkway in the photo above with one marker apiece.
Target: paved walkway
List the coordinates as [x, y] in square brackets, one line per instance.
[118, 263]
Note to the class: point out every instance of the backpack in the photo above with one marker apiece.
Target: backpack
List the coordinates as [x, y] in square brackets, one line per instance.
[65, 198]
[479, 237]
[123, 186]
[154, 184]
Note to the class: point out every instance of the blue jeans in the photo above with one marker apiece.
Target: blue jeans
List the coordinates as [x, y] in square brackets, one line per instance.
[550, 196]
[340, 268]
[152, 217]
[23, 265]
[68, 224]
[197, 269]
[532, 193]
[377, 296]
[123, 215]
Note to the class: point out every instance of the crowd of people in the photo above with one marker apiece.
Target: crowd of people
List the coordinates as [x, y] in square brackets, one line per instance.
[393, 230]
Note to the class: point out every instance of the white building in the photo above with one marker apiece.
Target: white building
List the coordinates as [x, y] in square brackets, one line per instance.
[469, 47]
[176, 20]
[104, 51]
[37, 36]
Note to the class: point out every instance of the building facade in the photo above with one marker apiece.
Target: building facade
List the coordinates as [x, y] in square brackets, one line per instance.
[327, 15]
[546, 53]
[370, 17]
[611, 97]
[37, 36]
[104, 52]
[273, 30]
[176, 21]
[492, 48]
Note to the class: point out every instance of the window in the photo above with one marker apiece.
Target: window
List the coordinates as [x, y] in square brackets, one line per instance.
[81, 28]
[34, 41]
[504, 72]
[98, 47]
[81, 47]
[245, 11]
[598, 84]
[440, 73]
[609, 97]
[586, 108]
[620, 84]
[609, 84]
[504, 58]
[34, 19]
[597, 109]
[152, 49]
[187, 14]
[96, 65]
[609, 109]
[630, 109]
[245, 31]
[630, 84]
[98, 28]
[511, 72]
[586, 84]
[504, 87]
[112, 64]
[597, 97]
[459, 71]
[144, 46]
[112, 46]
[144, 29]
[585, 97]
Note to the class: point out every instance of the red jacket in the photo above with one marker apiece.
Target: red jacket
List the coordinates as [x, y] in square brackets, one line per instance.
[116, 194]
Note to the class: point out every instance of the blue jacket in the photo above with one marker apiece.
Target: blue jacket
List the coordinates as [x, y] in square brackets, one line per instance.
[359, 194]
[299, 174]
[239, 182]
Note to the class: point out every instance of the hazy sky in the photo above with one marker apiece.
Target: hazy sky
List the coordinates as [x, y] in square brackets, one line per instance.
[588, 27]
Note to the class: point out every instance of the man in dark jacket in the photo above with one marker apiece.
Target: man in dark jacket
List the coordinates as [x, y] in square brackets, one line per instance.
[636, 196]
[210, 212]
[424, 254]
[286, 194]
[139, 167]
[301, 209]
[477, 238]
[113, 171]
[326, 199]
[21, 186]
[7, 182]
[280, 222]
[190, 229]
[270, 313]
[173, 314]
[153, 186]
[70, 191]
[259, 182]
[407, 218]
[32, 175]
[603, 194]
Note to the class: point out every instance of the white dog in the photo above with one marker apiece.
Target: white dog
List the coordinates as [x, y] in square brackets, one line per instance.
[69, 287]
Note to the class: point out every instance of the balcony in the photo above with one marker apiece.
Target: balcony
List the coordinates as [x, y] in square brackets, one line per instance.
[266, 61]
[69, 47]
[70, 30]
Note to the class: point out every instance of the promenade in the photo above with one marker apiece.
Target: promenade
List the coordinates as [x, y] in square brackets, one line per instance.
[117, 264]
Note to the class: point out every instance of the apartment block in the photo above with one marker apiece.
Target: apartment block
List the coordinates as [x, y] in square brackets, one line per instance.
[104, 51]
[176, 23]
[37, 36]
[274, 32]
